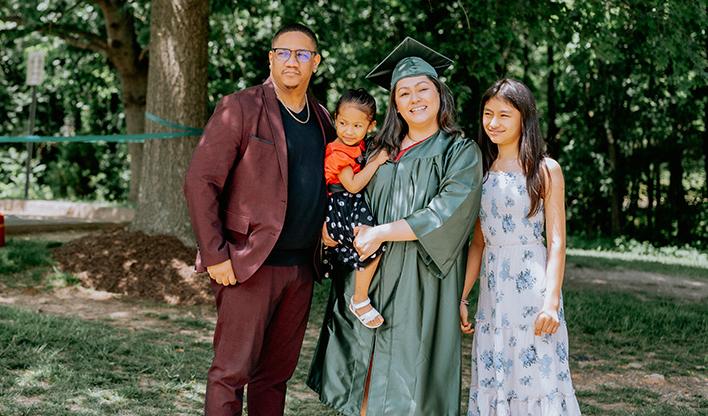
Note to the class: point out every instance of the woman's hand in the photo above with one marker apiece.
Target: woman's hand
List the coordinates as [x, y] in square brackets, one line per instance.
[547, 322]
[367, 241]
[326, 239]
[465, 326]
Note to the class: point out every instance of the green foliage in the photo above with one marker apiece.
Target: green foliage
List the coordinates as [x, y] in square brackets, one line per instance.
[12, 175]
[621, 88]
[613, 76]
[80, 95]
[21, 255]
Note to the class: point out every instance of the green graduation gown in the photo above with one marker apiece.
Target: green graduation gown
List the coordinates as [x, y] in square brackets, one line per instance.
[416, 354]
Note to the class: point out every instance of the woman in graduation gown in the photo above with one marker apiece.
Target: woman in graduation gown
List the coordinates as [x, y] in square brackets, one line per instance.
[426, 199]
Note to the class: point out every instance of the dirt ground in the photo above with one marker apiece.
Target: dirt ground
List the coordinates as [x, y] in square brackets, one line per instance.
[639, 282]
[135, 281]
[134, 264]
[161, 268]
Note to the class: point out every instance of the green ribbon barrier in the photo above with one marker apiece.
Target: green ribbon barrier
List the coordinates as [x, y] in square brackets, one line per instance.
[180, 131]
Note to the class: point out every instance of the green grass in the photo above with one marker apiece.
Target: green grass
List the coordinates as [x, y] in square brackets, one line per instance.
[644, 402]
[609, 330]
[20, 255]
[63, 366]
[668, 336]
[628, 395]
[607, 260]
[627, 254]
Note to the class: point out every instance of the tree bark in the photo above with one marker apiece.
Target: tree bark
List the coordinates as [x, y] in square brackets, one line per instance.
[526, 60]
[124, 52]
[650, 196]
[617, 188]
[705, 143]
[658, 223]
[552, 133]
[677, 194]
[633, 209]
[134, 89]
[177, 91]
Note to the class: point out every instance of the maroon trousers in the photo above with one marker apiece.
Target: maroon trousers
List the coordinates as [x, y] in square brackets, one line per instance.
[259, 331]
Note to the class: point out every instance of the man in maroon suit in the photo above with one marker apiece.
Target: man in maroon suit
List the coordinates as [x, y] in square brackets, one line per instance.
[256, 195]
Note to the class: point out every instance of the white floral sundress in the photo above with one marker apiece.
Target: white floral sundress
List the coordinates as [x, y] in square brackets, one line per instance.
[514, 372]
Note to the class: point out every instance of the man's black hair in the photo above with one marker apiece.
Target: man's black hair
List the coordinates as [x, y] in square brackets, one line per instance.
[296, 27]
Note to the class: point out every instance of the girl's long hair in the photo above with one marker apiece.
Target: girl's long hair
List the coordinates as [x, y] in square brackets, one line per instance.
[531, 145]
[394, 127]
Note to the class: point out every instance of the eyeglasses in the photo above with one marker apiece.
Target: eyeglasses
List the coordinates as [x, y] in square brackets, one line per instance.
[302, 55]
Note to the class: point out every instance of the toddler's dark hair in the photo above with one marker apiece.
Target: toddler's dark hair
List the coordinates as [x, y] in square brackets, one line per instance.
[360, 98]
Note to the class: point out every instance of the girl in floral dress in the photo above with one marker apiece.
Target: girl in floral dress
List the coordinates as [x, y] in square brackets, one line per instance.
[520, 348]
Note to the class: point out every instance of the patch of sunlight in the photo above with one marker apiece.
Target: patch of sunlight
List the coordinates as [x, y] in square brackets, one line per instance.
[24, 401]
[35, 377]
[196, 391]
[694, 261]
[189, 394]
[104, 396]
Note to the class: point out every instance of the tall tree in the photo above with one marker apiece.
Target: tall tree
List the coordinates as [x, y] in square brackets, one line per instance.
[117, 41]
[177, 91]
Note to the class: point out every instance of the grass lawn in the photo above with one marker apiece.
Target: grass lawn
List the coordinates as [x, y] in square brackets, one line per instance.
[619, 253]
[613, 333]
[61, 366]
[56, 365]
[629, 261]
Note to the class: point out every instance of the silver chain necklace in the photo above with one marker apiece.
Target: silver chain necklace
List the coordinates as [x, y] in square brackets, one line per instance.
[293, 115]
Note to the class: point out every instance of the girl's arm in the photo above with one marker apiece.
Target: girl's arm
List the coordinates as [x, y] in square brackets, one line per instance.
[554, 207]
[356, 182]
[474, 260]
[474, 263]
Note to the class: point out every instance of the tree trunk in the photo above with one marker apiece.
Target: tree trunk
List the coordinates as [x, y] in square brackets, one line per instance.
[177, 91]
[124, 52]
[633, 209]
[526, 60]
[705, 143]
[657, 198]
[617, 187]
[677, 195]
[134, 92]
[552, 134]
[650, 197]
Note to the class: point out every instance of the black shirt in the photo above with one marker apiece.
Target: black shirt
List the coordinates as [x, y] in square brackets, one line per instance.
[307, 198]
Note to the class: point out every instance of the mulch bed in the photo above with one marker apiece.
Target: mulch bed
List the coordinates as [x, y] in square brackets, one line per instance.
[136, 265]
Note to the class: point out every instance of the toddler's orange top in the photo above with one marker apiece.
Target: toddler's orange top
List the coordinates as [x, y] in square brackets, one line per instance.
[338, 156]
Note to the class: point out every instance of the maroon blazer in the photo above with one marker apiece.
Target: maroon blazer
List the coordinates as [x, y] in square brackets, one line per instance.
[236, 184]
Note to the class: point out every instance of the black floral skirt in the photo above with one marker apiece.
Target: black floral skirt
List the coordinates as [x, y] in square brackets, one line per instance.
[344, 212]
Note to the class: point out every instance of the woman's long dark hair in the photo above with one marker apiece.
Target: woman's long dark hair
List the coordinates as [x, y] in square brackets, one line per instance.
[395, 128]
[531, 144]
